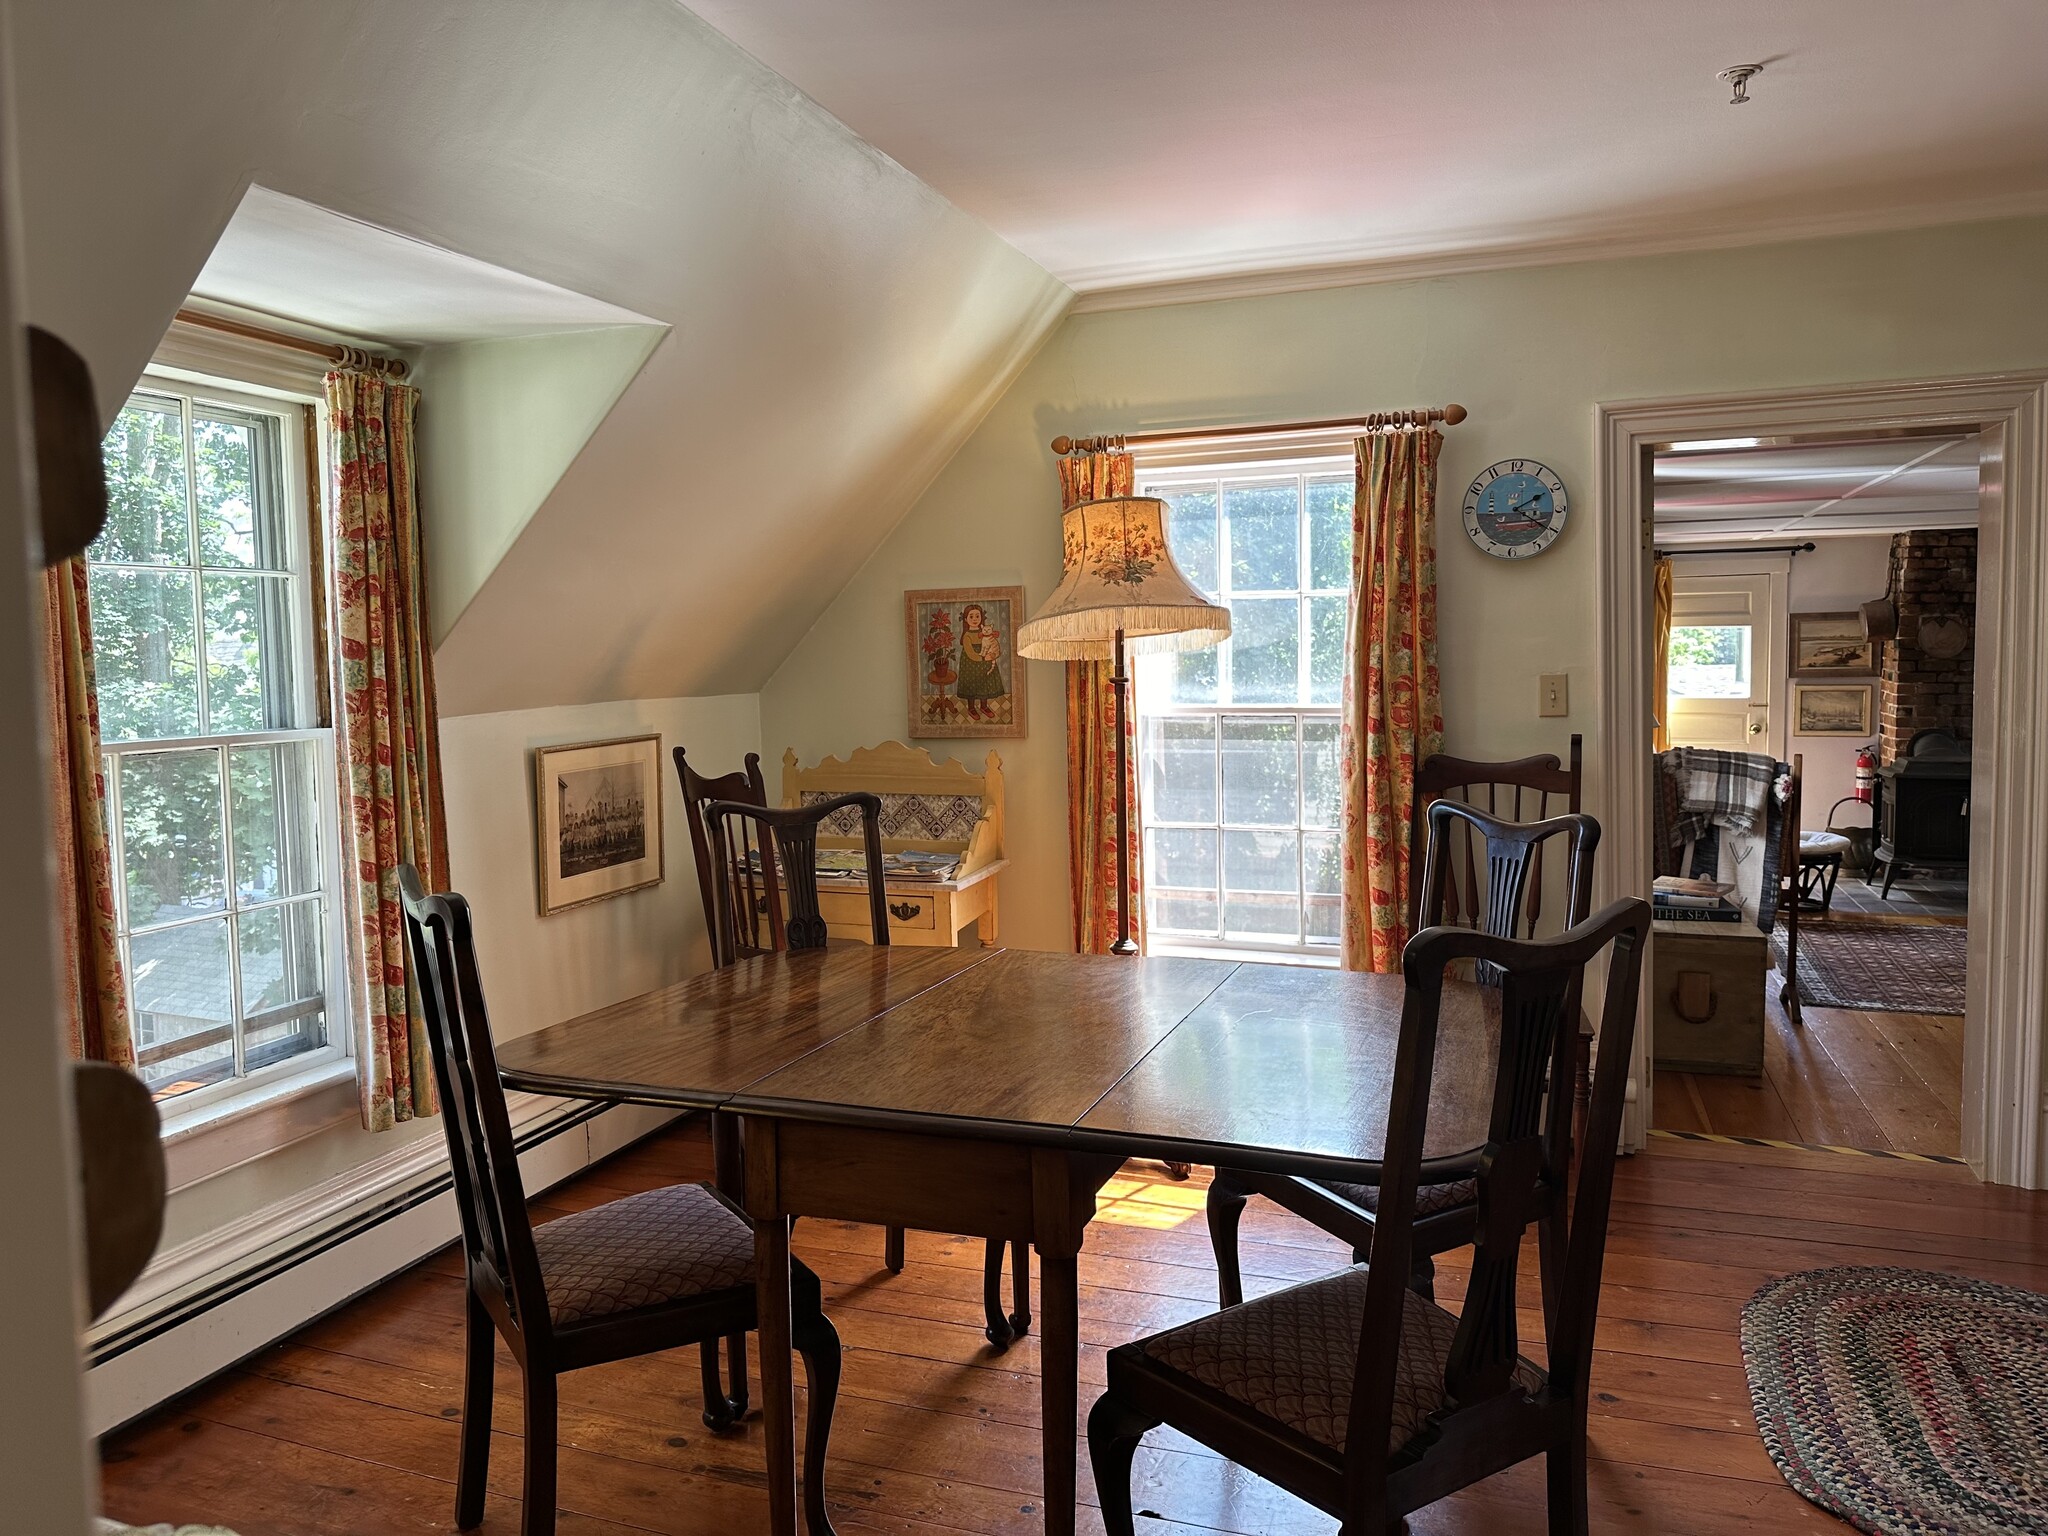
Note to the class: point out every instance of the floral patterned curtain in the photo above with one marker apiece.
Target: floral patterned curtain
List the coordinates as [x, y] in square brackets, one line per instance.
[1091, 750]
[1391, 717]
[95, 994]
[392, 810]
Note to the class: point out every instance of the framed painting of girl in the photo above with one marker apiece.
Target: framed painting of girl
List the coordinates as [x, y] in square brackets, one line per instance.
[964, 676]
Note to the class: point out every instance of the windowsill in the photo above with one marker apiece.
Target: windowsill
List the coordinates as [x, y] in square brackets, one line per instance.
[271, 1113]
[1308, 957]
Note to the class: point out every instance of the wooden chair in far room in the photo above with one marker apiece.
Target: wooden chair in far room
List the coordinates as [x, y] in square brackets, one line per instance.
[732, 826]
[1353, 1392]
[1446, 1213]
[1789, 900]
[649, 1272]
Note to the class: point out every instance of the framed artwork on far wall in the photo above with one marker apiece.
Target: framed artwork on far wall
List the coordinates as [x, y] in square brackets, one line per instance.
[1831, 645]
[1831, 709]
[964, 675]
[597, 816]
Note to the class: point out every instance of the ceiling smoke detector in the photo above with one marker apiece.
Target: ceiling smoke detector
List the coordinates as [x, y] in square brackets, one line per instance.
[1738, 76]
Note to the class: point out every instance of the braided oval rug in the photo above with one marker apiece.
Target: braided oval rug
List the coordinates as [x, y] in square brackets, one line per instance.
[1907, 1402]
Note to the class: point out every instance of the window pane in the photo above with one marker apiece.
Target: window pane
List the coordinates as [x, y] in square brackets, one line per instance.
[1180, 880]
[1195, 675]
[1710, 662]
[1265, 650]
[248, 653]
[183, 1012]
[276, 826]
[237, 495]
[1265, 537]
[145, 645]
[1325, 649]
[1258, 771]
[1329, 533]
[144, 455]
[1180, 769]
[1260, 881]
[1191, 535]
[284, 983]
[1320, 883]
[1321, 788]
[171, 844]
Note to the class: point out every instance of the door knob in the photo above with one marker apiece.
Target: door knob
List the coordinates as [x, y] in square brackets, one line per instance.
[1756, 727]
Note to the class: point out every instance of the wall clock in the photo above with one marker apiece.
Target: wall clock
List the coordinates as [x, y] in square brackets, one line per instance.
[1515, 509]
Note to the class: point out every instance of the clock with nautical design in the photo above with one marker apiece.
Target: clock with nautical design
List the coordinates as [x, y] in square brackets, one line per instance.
[1515, 509]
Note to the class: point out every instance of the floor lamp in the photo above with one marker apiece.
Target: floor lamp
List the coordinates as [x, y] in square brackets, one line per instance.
[1121, 594]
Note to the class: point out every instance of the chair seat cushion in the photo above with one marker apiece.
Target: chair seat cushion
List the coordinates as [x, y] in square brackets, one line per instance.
[667, 1245]
[1819, 845]
[1430, 1199]
[1289, 1357]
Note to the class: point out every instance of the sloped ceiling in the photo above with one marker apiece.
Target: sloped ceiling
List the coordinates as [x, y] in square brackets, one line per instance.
[836, 326]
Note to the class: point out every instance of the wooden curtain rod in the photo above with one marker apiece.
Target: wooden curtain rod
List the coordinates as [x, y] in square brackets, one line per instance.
[346, 357]
[1378, 421]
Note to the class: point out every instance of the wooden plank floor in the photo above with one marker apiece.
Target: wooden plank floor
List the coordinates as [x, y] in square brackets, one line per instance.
[349, 1428]
[1890, 1082]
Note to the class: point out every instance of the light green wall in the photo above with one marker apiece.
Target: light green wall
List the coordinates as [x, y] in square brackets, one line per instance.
[499, 423]
[1530, 353]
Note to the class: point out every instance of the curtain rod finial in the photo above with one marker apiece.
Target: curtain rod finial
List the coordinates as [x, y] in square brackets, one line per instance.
[1453, 414]
[1062, 445]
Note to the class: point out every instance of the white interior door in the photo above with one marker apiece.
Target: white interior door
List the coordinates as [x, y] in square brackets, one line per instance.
[1727, 655]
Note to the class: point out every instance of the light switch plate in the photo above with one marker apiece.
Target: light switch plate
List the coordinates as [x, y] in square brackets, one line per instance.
[1553, 695]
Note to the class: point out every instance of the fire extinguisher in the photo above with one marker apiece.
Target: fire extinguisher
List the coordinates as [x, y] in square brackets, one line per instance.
[1866, 776]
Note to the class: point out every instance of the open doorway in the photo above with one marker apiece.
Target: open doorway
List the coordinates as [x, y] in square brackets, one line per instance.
[1815, 620]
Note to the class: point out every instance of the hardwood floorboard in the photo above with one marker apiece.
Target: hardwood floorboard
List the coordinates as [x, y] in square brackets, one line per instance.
[1889, 1082]
[350, 1426]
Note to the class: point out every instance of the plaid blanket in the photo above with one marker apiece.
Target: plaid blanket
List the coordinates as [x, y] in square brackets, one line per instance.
[1718, 789]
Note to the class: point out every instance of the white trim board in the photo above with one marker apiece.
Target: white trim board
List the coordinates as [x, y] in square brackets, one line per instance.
[2004, 1112]
[144, 1375]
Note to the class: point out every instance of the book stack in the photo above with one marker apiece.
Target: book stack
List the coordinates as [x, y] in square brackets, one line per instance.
[1676, 899]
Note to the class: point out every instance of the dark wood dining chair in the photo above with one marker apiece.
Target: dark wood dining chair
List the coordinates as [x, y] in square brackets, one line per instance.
[789, 834]
[1356, 1394]
[1788, 903]
[1446, 1213]
[752, 889]
[649, 1272]
[1522, 789]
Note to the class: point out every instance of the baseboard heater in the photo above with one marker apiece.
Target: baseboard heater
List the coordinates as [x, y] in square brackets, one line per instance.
[211, 1326]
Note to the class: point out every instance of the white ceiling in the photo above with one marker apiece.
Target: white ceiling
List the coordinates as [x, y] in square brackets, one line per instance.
[291, 258]
[1803, 491]
[1147, 141]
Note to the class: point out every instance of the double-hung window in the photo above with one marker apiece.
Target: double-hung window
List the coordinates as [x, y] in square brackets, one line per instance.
[221, 802]
[1238, 745]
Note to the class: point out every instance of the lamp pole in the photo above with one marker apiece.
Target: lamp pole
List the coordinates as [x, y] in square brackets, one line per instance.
[1120, 685]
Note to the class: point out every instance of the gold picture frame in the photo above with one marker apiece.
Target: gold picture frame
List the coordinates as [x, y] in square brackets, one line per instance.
[597, 820]
[1831, 645]
[1831, 709]
[963, 675]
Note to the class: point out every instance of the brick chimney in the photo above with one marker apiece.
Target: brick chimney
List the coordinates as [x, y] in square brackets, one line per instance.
[1934, 576]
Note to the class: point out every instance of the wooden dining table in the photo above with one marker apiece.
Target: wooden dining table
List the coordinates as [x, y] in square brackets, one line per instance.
[993, 1092]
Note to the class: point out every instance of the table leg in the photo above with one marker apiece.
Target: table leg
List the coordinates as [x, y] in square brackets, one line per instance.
[1059, 1360]
[771, 1280]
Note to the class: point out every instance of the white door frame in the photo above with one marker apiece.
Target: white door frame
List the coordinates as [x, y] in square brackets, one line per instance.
[2006, 1017]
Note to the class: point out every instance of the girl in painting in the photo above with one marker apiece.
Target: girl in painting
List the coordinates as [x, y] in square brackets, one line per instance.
[981, 675]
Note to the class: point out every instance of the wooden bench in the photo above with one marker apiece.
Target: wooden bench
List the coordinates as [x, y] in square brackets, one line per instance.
[927, 807]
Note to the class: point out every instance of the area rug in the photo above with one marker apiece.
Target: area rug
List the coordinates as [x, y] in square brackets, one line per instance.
[1907, 1402]
[1879, 967]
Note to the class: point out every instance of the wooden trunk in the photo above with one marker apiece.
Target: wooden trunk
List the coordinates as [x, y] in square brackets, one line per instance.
[1707, 989]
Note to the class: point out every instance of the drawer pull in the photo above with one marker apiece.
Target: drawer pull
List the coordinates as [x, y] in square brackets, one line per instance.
[1693, 999]
[904, 911]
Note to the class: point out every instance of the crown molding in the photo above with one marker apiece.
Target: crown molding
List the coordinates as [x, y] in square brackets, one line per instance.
[1612, 245]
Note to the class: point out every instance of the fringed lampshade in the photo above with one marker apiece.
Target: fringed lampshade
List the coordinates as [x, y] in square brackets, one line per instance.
[1120, 576]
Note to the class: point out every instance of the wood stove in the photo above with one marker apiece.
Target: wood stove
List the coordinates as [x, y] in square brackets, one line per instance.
[1923, 807]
